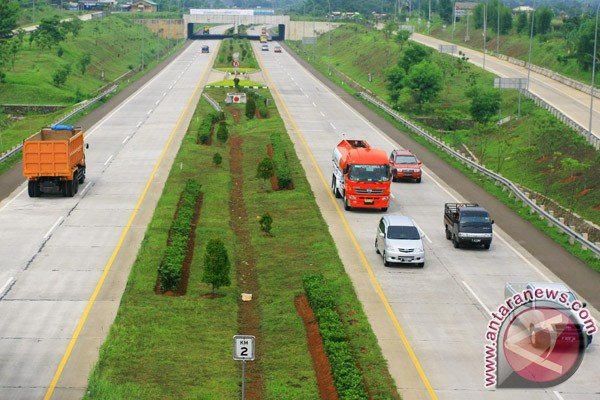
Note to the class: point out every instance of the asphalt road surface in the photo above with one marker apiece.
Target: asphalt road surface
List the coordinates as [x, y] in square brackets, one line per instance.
[443, 308]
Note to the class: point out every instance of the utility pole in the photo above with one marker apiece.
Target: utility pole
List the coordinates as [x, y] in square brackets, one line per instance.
[484, 31]
[593, 71]
[498, 31]
[530, 44]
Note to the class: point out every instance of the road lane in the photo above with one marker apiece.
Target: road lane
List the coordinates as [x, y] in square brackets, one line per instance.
[58, 247]
[443, 320]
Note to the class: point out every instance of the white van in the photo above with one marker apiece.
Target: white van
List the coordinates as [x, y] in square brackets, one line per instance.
[398, 240]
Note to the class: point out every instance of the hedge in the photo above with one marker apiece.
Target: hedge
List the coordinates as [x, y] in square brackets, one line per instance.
[346, 375]
[206, 125]
[282, 168]
[169, 271]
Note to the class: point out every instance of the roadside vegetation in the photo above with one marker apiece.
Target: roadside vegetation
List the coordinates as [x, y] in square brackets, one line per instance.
[180, 347]
[62, 64]
[244, 50]
[456, 101]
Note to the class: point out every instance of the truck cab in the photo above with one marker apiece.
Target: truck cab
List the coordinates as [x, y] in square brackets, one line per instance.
[467, 223]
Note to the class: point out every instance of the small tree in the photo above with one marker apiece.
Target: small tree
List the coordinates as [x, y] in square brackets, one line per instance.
[425, 81]
[222, 133]
[266, 222]
[217, 159]
[395, 82]
[250, 107]
[59, 77]
[236, 82]
[265, 170]
[216, 265]
[84, 62]
[485, 103]
[402, 37]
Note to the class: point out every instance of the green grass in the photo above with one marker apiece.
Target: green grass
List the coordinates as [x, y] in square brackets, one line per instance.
[164, 347]
[239, 70]
[243, 82]
[242, 47]
[114, 44]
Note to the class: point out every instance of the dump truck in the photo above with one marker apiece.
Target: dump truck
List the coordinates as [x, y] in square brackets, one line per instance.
[467, 223]
[54, 160]
[361, 175]
[263, 39]
[206, 30]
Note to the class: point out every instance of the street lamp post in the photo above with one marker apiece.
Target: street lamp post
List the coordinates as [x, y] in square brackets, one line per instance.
[498, 31]
[593, 70]
[530, 44]
[484, 31]
[329, 34]
[429, 18]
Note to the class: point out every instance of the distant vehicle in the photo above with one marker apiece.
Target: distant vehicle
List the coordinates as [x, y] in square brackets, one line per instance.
[361, 175]
[54, 160]
[205, 49]
[539, 332]
[405, 165]
[263, 30]
[265, 47]
[398, 240]
[263, 38]
[277, 49]
[467, 223]
[206, 30]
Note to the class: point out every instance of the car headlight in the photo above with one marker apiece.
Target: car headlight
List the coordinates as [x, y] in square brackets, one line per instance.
[419, 250]
[389, 248]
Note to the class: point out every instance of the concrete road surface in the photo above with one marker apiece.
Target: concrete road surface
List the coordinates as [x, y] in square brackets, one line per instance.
[443, 309]
[58, 251]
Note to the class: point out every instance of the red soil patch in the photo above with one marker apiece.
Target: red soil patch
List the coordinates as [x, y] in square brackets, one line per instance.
[189, 255]
[246, 275]
[583, 192]
[317, 350]
[212, 295]
[542, 159]
[596, 207]
[274, 181]
[569, 179]
[235, 113]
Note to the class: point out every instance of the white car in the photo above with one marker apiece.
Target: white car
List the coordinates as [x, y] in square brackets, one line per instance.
[265, 47]
[398, 240]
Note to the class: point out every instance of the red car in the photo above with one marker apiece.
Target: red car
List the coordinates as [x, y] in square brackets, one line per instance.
[277, 49]
[405, 165]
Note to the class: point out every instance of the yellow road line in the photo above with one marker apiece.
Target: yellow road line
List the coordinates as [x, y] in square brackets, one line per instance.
[111, 260]
[382, 297]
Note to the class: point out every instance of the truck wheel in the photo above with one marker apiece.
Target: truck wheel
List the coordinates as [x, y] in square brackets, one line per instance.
[346, 205]
[448, 234]
[33, 189]
[82, 179]
[418, 180]
[68, 189]
[456, 242]
[75, 186]
[487, 246]
[336, 193]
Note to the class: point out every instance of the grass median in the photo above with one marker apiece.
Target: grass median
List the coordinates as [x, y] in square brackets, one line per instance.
[180, 347]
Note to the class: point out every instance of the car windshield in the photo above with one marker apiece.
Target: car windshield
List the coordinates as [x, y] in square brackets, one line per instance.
[474, 218]
[369, 173]
[406, 160]
[403, 232]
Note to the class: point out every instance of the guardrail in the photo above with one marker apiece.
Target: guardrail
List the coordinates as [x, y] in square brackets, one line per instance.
[6, 155]
[573, 235]
[212, 102]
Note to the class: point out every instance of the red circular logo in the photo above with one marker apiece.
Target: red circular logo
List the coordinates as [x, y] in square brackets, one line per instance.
[544, 344]
[236, 99]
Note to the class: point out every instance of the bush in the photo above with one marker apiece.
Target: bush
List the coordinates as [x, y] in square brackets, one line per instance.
[250, 107]
[265, 169]
[217, 159]
[282, 168]
[222, 133]
[266, 222]
[346, 375]
[204, 130]
[169, 271]
[59, 77]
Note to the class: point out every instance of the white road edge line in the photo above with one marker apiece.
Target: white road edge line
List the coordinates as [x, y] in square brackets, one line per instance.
[322, 113]
[424, 234]
[149, 112]
[157, 101]
[126, 139]
[555, 392]
[13, 199]
[47, 235]
[6, 286]
[85, 188]
[139, 124]
[107, 161]
[313, 103]
[487, 310]
[332, 125]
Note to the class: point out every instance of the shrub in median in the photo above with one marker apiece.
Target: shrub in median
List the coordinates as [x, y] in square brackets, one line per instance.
[216, 265]
[169, 271]
[282, 168]
[346, 375]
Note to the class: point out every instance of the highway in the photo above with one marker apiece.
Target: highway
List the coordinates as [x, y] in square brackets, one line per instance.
[572, 102]
[442, 309]
[58, 251]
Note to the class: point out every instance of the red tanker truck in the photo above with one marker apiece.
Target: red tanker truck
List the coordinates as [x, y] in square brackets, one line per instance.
[361, 175]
